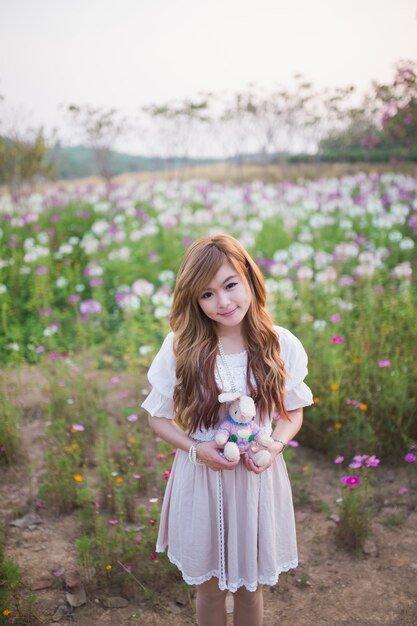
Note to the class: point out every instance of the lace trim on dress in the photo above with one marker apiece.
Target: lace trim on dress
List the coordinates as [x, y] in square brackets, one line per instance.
[232, 587]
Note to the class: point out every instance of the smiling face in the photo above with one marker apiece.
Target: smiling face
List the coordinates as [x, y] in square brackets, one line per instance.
[227, 299]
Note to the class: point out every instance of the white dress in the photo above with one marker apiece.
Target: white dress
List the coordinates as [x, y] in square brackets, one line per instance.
[235, 525]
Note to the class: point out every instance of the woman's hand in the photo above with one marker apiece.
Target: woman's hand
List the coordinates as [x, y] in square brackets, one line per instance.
[210, 453]
[275, 449]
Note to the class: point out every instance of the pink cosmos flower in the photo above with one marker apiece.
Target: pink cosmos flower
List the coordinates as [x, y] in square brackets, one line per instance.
[113, 522]
[293, 443]
[352, 481]
[40, 349]
[339, 459]
[372, 461]
[335, 318]
[337, 339]
[132, 418]
[355, 465]
[402, 491]
[77, 427]
[410, 457]
[137, 476]
[42, 270]
[153, 556]
[90, 307]
[384, 363]
[73, 298]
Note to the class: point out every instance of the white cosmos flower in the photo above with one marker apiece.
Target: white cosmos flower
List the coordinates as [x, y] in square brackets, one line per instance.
[120, 254]
[279, 269]
[403, 271]
[89, 243]
[142, 287]
[43, 238]
[407, 244]
[305, 273]
[144, 350]
[66, 248]
[100, 227]
[129, 302]
[395, 236]
[61, 282]
[326, 276]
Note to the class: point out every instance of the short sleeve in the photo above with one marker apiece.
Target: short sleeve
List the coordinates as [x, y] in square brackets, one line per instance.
[298, 394]
[161, 376]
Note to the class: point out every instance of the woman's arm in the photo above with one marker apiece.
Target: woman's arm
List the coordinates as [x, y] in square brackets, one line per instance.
[284, 430]
[207, 451]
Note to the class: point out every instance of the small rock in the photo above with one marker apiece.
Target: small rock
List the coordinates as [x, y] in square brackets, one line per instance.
[370, 548]
[173, 608]
[61, 611]
[114, 602]
[42, 583]
[27, 521]
[389, 476]
[76, 599]
[73, 581]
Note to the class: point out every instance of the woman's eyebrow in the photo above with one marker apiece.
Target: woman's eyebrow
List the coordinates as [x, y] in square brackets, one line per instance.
[226, 280]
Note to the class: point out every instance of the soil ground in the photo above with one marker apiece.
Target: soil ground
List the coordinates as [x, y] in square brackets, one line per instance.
[330, 586]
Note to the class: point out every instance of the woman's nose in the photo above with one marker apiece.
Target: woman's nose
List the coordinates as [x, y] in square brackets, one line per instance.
[224, 298]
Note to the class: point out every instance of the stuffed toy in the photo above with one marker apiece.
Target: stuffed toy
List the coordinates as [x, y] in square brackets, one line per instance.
[240, 431]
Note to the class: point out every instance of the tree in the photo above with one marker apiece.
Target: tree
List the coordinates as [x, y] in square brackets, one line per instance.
[99, 128]
[23, 152]
[398, 102]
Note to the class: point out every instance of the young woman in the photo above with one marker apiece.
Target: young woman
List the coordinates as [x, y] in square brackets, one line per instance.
[228, 526]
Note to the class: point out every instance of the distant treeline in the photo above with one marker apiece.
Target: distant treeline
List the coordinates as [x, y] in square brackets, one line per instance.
[80, 161]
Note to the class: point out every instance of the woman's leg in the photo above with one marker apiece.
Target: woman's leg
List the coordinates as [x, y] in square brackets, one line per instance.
[248, 607]
[211, 608]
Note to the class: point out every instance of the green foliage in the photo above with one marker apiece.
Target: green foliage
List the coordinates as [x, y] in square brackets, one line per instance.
[10, 444]
[24, 159]
[355, 518]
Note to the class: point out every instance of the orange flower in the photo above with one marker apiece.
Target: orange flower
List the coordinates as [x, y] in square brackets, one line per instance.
[338, 426]
[78, 478]
[316, 399]
[363, 406]
[306, 468]
[119, 479]
[6, 612]
[108, 567]
[334, 386]
[131, 440]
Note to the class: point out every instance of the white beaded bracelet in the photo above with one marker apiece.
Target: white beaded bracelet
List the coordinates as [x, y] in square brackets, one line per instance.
[192, 455]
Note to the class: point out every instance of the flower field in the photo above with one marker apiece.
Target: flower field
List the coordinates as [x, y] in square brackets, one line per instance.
[86, 281]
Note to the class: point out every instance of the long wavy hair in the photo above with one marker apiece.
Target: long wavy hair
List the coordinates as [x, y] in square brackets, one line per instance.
[196, 402]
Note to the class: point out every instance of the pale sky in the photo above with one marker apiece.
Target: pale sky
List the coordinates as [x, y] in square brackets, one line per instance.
[128, 53]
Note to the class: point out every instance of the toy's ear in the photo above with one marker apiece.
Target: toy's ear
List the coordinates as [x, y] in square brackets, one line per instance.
[228, 397]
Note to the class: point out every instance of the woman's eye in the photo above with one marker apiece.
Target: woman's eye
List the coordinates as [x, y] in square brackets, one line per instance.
[231, 285]
[206, 295]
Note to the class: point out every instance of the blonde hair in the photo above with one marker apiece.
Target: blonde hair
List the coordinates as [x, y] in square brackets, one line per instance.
[195, 344]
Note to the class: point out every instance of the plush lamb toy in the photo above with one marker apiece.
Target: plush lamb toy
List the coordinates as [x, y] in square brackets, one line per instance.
[240, 431]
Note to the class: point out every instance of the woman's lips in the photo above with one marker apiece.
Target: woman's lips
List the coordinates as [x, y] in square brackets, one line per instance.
[229, 313]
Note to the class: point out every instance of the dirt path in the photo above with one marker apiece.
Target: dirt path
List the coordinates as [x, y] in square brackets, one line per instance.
[330, 586]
